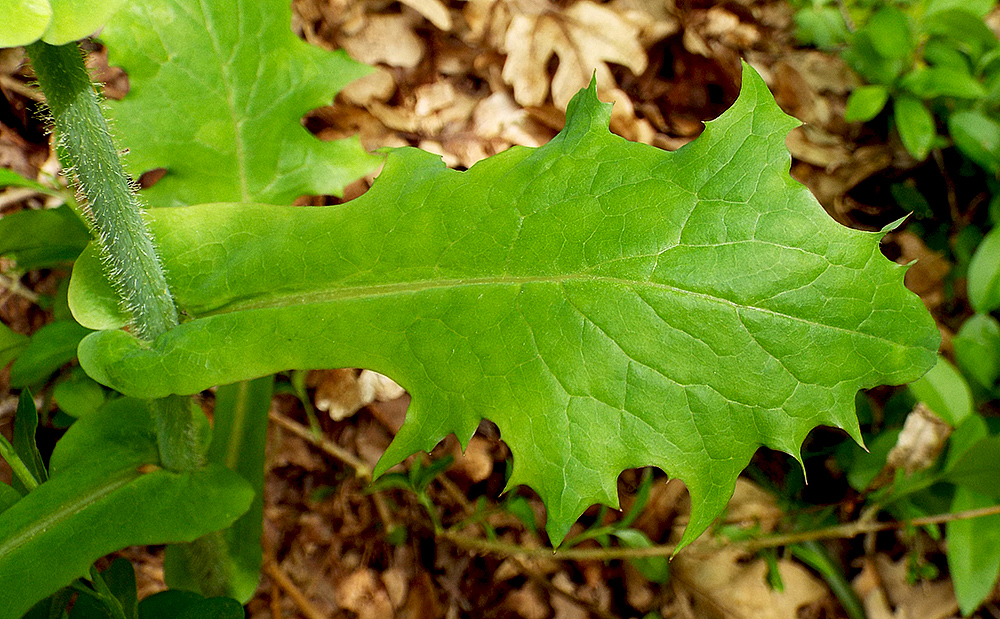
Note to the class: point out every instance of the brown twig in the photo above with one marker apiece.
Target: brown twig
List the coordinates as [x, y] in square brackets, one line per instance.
[329, 447]
[289, 587]
[842, 531]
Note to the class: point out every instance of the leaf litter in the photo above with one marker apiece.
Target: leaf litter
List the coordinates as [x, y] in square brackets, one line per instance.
[443, 83]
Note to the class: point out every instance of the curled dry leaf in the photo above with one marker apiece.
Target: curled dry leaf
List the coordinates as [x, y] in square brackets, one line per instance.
[724, 585]
[386, 39]
[584, 37]
[921, 441]
[362, 593]
[341, 393]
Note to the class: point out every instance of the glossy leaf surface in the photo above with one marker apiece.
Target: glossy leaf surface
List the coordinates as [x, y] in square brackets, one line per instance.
[219, 89]
[607, 304]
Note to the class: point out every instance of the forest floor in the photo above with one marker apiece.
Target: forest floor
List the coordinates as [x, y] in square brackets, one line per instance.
[467, 80]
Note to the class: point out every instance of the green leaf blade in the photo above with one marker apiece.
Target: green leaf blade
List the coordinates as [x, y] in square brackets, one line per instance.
[607, 304]
[220, 89]
[104, 493]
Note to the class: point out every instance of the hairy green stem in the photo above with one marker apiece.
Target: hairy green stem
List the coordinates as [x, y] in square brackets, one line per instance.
[131, 262]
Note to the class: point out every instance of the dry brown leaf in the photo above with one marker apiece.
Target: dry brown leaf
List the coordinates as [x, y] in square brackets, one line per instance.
[476, 463]
[528, 602]
[726, 587]
[386, 39]
[921, 441]
[376, 86]
[343, 392]
[435, 12]
[886, 593]
[361, 593]
[584, 37]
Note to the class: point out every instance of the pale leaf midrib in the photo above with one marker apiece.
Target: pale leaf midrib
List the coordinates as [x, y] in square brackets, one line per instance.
[370, 291]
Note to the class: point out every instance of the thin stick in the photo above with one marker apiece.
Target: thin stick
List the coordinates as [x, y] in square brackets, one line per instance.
[842, 531]
[286, 584]
[329, 447]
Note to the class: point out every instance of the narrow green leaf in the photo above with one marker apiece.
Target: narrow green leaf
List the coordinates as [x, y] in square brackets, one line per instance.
[187, 605]
[944, 390]
[106, 492]
[238, 440]
[890, 33]
[25, 426]
[915, 125]
[978, 137]
[45, 238]
[653, 569]
[10, 178]
[11, 344]
[607, 304]
[984, 274]
[973, 551]
[78, 394]
[962, 28]
[865, 103]
[230, 82]
[8, 496]
[977, 468]
[977, 349]
[930, 82]
[51, 347]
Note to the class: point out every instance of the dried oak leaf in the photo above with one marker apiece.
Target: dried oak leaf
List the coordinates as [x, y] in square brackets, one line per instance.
[585, 37]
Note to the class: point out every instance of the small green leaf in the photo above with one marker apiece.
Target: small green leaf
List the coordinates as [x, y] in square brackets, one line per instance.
[653, 569]
[978, 137]
[822, 26]
[890, 33]
[606, 303]
[43, 238]
[944, 390]
[865, 103]
[976, 469]
[78, 394]
[24, 22]
[984, 274]
[11, 344]
[930, 82]
[966, 434]
[10, 178]
[25, 427]
[56, 22]
[977, 349]
[973, 551]
[230, 82]
[961, 28]
[978, 8]
[187, 605]
[8, 496]
[51, 347]
[915, 124]
[105, 482]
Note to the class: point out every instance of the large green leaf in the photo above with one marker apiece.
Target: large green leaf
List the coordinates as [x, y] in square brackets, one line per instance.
[219, 89]
[106, 492]
[607, 304]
